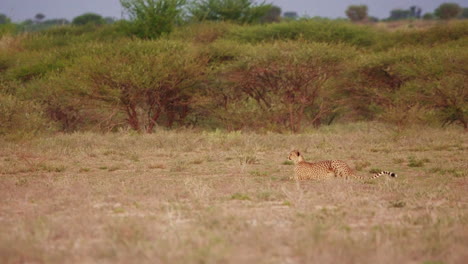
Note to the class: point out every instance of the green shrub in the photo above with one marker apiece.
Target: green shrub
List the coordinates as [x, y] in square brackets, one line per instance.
[88, 18]
[448, 10]
[69, 36]
[290, 81]
[239, 196]
[8, 29]
[152, 18]
[6, 61]
[145, 83]
[356, 12]
[405, 86]
[276, 77]
[224, 51]
[440, 33]
[239, 11]
[60, 103]
[4, 19]
[205, 32]
[31, 65]
[21, 119]
[39, 69]
[327, 31]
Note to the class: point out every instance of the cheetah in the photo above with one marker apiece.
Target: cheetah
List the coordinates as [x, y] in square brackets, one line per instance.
[326, 169]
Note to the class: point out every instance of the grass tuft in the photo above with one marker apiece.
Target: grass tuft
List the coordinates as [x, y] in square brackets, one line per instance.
[414, 162]
[397, 204]
[240, 196]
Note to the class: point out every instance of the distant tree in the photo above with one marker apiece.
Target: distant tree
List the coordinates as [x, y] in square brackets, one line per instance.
[53, 22]
[448, 11]
[357, 12]
[373, 19]
[151, 18]
[291, 15]
[415, 12]
[428, 16]
[399, 14]
[273, 15]
[39, 17]
[240, 11]
[109, 20]
[27, 22]
[88, 18]
[464, 13]
[4, 19]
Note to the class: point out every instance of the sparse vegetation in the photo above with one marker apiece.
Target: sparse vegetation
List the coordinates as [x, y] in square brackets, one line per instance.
[414, 162]
[79, 197]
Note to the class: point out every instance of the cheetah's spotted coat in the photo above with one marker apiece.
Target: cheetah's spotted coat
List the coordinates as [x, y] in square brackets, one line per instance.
[325, 169]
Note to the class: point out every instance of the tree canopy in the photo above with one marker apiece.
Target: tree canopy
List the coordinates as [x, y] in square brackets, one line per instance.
[357, 12]
[240, 11]
[4, 19]
[88, 18]
[448, 11]
[152, 18]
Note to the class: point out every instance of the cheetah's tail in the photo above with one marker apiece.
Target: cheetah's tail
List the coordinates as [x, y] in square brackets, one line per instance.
[391, 174]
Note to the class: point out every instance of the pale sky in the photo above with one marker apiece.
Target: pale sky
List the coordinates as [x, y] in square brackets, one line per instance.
[20, 10]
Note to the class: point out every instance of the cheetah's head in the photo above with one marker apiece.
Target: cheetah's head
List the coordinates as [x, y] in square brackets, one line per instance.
[295, 156]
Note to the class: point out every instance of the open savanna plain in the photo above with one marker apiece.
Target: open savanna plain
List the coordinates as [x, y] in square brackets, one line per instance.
[188, 196]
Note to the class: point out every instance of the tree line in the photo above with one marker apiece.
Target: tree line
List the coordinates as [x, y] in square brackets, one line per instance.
[445, 11]
[166, 14]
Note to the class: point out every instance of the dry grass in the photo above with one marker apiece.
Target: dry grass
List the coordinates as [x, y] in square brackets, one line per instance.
[188, 197]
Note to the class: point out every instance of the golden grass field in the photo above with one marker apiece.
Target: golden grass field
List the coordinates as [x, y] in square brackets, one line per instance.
[215, 197]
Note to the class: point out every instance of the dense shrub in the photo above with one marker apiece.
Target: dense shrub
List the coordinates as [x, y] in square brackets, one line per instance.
[150, 83]
[71, 36]
[60, 102]
[290, 81]
[205, 32]
[6, 62]
[224, 51]
[409, 85]
[284, 76]
[152, 18]
[35, 69]
[240, 11]
[21, 119]
[440, 33]
[448, 10]
[447, 92]
[26, 66]
[8, 29]
[356, 12]
[88, 18]
[311, 30]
